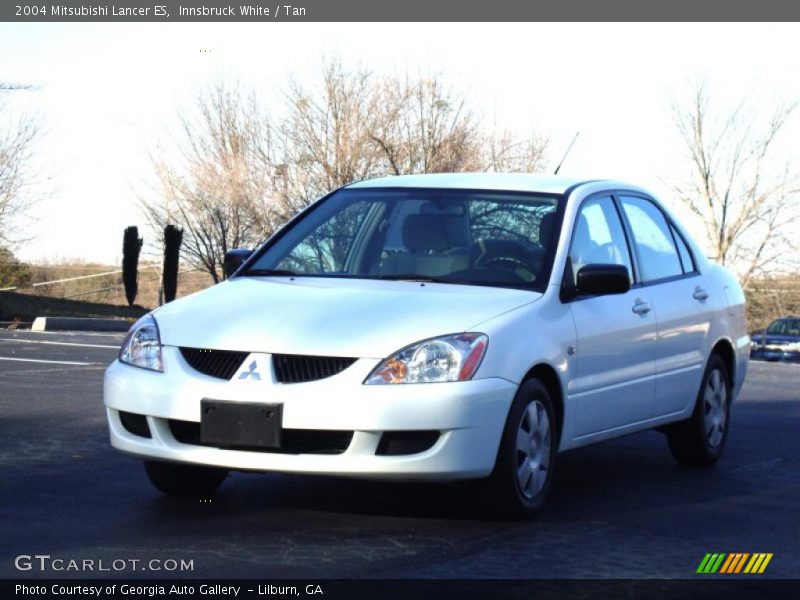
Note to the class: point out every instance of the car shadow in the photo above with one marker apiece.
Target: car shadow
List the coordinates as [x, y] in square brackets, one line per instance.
[634, 473]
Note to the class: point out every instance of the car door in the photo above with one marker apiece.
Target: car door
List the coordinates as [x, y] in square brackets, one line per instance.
[681, 303]
[614, 382]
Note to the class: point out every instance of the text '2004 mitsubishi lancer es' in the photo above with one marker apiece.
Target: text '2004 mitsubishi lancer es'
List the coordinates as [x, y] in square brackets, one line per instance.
[439, 327]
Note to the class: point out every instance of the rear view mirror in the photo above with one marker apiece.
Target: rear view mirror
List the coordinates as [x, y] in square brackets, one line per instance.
[598, 280]
[444, 209]
[234, 259]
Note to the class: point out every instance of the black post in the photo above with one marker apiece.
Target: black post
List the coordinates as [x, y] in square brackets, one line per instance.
[131, 247]
[173, 237]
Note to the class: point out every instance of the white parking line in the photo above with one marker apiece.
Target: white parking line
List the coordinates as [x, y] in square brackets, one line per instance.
[24, 341]
[113, 334]
[50, 362]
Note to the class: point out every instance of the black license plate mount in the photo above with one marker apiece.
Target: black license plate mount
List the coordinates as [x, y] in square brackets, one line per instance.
[240, 424]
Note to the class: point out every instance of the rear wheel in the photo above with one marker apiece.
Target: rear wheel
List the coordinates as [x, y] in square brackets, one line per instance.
[700, 440]
[526, 457]
[178, 479]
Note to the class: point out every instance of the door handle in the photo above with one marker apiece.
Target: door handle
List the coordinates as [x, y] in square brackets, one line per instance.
[641, 307]
[700, 294]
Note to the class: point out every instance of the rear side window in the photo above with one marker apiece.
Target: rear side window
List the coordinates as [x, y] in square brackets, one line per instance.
[658, 256]
[683, 252]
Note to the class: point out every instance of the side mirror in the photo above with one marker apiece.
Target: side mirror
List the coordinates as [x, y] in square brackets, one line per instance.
[234, 259]
[598, 280]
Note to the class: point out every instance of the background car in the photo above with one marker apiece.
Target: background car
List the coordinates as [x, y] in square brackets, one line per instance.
[778, 342]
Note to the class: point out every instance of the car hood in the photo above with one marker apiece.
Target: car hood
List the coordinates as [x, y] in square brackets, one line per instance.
[328, 317]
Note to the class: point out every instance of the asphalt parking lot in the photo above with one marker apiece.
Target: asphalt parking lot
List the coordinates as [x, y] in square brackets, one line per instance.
[619, 509]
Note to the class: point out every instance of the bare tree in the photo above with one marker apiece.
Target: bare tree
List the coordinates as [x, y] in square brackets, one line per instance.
[744, 192]
[504, 152]
[326, 139]
[359, 126]
[218, 189]
[18, 134]
[425, 128]
[242, 173]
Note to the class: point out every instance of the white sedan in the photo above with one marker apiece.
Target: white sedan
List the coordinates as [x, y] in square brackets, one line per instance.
[439, 327]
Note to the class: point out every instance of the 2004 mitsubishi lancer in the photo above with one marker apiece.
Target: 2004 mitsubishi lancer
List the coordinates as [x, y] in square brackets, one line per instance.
[439, 327]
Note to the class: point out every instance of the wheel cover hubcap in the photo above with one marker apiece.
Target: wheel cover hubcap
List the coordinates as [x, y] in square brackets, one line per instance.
[533, 449]
[715, 401]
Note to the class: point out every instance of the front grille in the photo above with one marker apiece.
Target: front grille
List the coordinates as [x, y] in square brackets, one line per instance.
[221, 364]
[293, 368]
[293, 441]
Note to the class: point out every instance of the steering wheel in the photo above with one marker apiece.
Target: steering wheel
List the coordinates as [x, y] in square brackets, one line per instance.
[506, 254]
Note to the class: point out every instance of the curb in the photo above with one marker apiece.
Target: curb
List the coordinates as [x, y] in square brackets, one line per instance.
[80, 324]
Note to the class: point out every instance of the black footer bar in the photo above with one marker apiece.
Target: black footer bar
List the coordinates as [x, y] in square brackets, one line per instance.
[405, 589]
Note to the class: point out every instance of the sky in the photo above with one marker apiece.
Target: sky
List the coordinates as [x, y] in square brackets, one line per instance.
[109, 94]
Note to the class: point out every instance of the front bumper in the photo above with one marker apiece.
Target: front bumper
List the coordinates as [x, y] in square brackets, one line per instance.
[775, 354]
[470, 417]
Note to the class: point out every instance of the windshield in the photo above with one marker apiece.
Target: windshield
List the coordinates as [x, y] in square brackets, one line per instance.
[785, 327]
[449, 236]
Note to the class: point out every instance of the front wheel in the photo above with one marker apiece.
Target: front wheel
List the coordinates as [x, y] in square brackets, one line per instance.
[179, 479]
[527, 454]
[700, 440]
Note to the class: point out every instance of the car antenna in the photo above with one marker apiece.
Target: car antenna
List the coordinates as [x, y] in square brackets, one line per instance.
[563, 158]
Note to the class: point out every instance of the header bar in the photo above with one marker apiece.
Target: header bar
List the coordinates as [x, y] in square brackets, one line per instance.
[398, 10]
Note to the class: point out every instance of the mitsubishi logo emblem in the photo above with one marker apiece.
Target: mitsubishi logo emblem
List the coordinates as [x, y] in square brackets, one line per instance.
[251, 372]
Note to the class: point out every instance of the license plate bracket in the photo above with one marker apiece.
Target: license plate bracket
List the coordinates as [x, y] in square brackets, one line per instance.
[240, 424]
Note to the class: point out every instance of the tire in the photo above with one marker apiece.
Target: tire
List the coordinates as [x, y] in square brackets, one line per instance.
[526, 457]
[700, 440]
[178, 479]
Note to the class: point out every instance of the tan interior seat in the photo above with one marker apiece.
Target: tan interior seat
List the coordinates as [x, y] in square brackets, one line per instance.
[429, 249]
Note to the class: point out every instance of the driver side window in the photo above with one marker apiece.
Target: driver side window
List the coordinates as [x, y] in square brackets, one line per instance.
[598, 238]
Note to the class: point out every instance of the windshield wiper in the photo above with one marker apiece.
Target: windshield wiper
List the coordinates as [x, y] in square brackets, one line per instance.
[413, 277]
[267, 272]
[393, 277]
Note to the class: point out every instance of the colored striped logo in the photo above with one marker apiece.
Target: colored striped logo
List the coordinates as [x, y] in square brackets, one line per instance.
[736, 562]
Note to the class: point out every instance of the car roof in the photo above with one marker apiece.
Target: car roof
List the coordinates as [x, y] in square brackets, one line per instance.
[519, 182]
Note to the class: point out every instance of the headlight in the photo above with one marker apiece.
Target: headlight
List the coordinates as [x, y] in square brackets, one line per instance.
[142, 345]
[448, 358]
